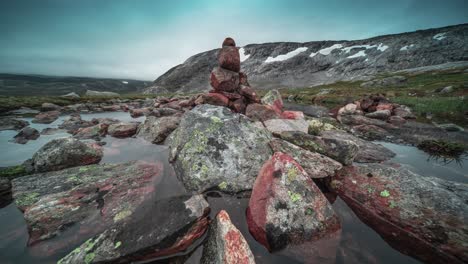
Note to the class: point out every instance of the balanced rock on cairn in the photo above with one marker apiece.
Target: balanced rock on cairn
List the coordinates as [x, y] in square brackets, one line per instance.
[230, 86]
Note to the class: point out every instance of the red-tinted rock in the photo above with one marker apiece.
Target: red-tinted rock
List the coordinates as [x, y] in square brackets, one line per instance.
[229, 42]
[225, 243]
[230, 96]
[273, 99]
[249, 93]
[396, 120]
[371, 132]
[286, 208]
[420, 216]
[384, 106]
[366, 103]
[261, 112]
[139, 112]
[238, 105]
[292, 115]
[213, 99]
[224, 80]
[243, 79]
[95, 132]
[229, 58]
[46, 117]
[153, 230]
[74, 122]
[123, 130]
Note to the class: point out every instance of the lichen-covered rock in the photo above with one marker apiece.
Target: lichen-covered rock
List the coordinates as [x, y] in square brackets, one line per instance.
[355, 120]
[277, 126]
[8, 123]
[156, 130]
[317, 125]
[420, 216]
[95, 132]
[215, 147]
[349, 109]
[154, 230]
[368, 151]
[316, 165]
[122, 130]
[46, 117]
[273, 99]
[371, 132]
[63, 153]
[26, 134]
[224, 80]
[342, 150]
[286, 208]
[259, 112]
[91, 198]
[226, 244]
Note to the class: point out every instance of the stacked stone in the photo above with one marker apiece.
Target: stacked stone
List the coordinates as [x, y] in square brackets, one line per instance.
[230, 85]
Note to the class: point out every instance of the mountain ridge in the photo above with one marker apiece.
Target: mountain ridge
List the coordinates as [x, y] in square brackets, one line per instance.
[353, 60]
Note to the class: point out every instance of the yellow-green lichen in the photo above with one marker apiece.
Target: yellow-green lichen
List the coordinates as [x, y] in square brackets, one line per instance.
[385, 193]
[295, 197]
[223, 185]
[216, 119]
[121, 215]
[117, 244]
[292, 173]
[89, 258]
[27, 199]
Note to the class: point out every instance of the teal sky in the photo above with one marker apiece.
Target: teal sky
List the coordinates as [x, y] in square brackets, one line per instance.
[141, 39]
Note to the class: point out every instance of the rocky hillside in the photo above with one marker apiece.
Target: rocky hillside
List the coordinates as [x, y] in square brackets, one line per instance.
[292, 64]
[15, 84]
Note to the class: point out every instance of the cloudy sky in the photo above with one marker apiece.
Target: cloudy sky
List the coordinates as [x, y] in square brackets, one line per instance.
[141, 39]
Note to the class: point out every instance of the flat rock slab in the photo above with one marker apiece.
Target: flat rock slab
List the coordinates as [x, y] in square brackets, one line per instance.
[46, 117]
[123, 130]
[214, 147]
[225, 243]
[368, 152]
[276, 126]
[286, 209]
[156, 130]
[423, 217]
[89, 198]
[316, 165]
[156, 229]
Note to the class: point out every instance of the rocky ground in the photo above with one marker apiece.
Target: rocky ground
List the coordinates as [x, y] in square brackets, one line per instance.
[290, 165]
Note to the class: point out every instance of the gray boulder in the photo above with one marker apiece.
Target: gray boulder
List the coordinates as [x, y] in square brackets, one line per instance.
[156, 130]
[50, 107]
[122, 130]
[63, 153]
[9, 123]
[214, 147]
[46, 117]
[26, 134]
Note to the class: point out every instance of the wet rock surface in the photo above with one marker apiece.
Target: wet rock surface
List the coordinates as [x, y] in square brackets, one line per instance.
[287, 209]
[26, 134]
[421, 216]
[63, 153]
[46, 117]
[213, 147]
[91, 197]
[95, 132]
[225, 243]
[156, 229]
[10, 123]
[122, 130]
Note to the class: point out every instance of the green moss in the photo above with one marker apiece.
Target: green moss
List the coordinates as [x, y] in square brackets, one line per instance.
[295, 197]
[83, 169]
[309, 211]
[27, 199]
[89, 258]
[13, 171]
[216, 119]
[117, 245]
[392, 204]
[385, 193]
[121, 215]
[89, 244]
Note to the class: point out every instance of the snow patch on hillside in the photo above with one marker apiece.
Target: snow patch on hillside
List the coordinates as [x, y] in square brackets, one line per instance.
[124, 82]
[361, 53]
[327, 51]
[440, 36]
[243, 56]
[407, 47]
[286, 56]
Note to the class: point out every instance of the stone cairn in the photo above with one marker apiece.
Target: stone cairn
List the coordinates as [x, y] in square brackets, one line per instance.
[230, 85]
